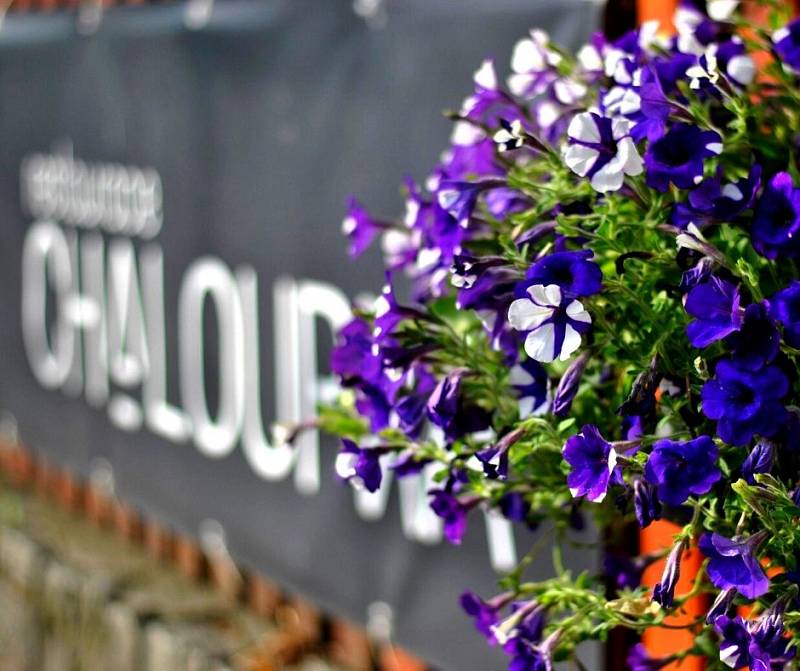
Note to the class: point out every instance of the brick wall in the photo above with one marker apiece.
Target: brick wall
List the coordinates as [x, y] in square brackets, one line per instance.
[86, 584]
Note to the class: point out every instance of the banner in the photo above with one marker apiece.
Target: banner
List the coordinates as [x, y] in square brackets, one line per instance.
[172, 270]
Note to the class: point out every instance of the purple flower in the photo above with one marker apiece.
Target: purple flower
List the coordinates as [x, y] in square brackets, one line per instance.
[531, 383]
[646, 505]
[574, 272]
[785, 307]
[758, 644]
[533, 63]
[592, 461]
[459, 198]
[495, 457]
[486, 614]
[716, 307]
[360, 228]
[678, 470]
[554, 323]
[745, 402]
[787, 44]
[389, 313]
[514, 506]
[713, 201]
[624, 572]
[527, 656]
[453, 511]
[664, 591]
[568, 385]
[410, 408]
[640, 660]
[678, 156]
[733, 563]
[602, 150]
[776, 223]
[721, 606]
[760, 460]
[447, 409]
[757, 343]
[360, 466]
[352, 358]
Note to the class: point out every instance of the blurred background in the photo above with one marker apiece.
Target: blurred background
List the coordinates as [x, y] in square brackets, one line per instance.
[172, 181]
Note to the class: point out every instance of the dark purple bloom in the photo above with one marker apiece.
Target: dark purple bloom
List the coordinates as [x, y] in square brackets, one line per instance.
[697, 274]
[784, 306]
[408, 464]
[574, 272]
[787, 44]
[745, 402]
[360, 228]
[528, 656]
[678, 156]
[448, 410]
[716, 307]
[592, 460]
[410, 408]
[531, 383]
[646, 505]
[624, 572]
[514, 507]
[776, 223]
[721, 606]
[757, 342]
[453, 512]
[360, 466]
[758, 644]
[733, 563]
[678, 470]
[568, 385]
[389, 313]
[712, 201]
[486, 614]
[735, 62]
[352, 358]
[664, 591]
[459, 198]
[640, 660]
[602, 150]
[760, 460]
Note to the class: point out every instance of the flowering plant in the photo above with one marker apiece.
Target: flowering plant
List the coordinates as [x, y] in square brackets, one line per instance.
[604, 317]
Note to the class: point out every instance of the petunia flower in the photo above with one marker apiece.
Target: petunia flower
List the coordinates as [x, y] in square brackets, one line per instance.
[447, 409]
[592, 460]
[664, 590]
[360, 228]
[514, 506]
[646, 505]
[568, 385]
[712, 201]
[784, 306]
[679, 470]
[574, 272]
[760, 460]
[554, 323]
[757, 342]
[533, 65]
[745, 402]
[759, 644]
[678, 156]
[360, 466]
[722, 605]
[716, 307]
[776, 222]
[602, 150]
[459, 197]
[733, 563]
[529, 379]
[486, 614]
[787, 45]
[453, 512]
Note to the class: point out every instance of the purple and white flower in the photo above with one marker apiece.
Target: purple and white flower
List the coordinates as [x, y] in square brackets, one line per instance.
[602, 149]
[553, 323]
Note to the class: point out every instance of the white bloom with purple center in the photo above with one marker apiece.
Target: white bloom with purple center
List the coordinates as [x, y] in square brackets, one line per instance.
[533, 64]
[602, 150]
[554, 329]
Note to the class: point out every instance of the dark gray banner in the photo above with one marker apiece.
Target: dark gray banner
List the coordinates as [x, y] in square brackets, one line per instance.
[172, 268]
